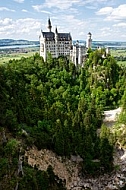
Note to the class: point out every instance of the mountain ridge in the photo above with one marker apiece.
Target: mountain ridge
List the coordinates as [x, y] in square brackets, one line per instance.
[11, 42]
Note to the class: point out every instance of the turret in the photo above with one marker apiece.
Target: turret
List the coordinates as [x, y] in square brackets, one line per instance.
[56, 31]
[89, 40]
[49, 25]
[56, 34]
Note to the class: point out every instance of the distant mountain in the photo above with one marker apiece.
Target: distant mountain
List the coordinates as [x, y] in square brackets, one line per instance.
[109, 43]
[96, 44]
[11, 42]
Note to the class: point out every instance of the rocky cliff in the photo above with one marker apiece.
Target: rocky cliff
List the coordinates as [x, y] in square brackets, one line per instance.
[69, 169]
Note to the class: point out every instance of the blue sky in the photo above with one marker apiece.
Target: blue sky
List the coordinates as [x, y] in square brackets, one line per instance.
[24, 19]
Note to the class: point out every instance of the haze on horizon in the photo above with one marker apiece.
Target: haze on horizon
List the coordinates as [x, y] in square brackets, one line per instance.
[23, 19]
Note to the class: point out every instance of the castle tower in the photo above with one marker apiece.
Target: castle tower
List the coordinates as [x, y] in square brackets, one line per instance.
[80, 55]
[54, 42]
[49, 25]
[88, 41]
[107, 50]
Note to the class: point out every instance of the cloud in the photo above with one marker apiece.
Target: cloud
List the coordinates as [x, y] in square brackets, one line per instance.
[114, 14]
[112, 32]
[106, 31]
[39, 8]
[62, 5]
[46, 12]
[118, 13]
[90, 7]
[19, 1]
[121, 24]
[67, 4]
[6, 21]
[6, 9]
[96, 3]
[59, 6]
[28, 28]
[24, 10]
[105, 11]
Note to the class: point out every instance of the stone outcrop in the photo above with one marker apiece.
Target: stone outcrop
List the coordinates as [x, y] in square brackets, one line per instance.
[69, 170]
[111, 116]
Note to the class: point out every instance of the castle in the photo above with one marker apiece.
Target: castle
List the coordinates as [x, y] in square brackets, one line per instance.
[59, 44]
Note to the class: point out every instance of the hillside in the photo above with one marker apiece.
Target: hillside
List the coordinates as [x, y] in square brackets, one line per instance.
[51, 117]
[12, 42]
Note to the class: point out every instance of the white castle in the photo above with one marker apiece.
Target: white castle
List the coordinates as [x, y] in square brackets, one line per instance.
[59, 44]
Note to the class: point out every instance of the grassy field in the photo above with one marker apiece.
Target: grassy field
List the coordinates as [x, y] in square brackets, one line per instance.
[5, 57]
[118, 52]
[123, 63]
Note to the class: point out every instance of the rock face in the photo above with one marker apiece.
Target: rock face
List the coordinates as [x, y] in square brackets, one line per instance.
[65, 169]
[69, 170]
[111, 116]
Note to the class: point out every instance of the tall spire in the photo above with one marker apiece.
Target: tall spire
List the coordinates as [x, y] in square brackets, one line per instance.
[49, 25]
[56, 31]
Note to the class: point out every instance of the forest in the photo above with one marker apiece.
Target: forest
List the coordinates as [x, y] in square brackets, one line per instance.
[57, 106]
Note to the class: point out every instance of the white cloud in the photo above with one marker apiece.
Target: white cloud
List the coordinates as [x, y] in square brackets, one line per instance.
[118, 13]
[96, 3]
[19, 1]
[46, 12]
[6, 21]
[6, 9]
[24, 10]
[113, 32]
[39, 8]
[27, 23]
[67, 4]
[123, 36]
[105, 29]
[28, 28]
[114, 14]
[90, 7]
[121, 24]
[105, 32]
[62, 5]
[105, 11]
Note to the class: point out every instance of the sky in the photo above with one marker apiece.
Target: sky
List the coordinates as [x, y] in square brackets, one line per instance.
[24, 19]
